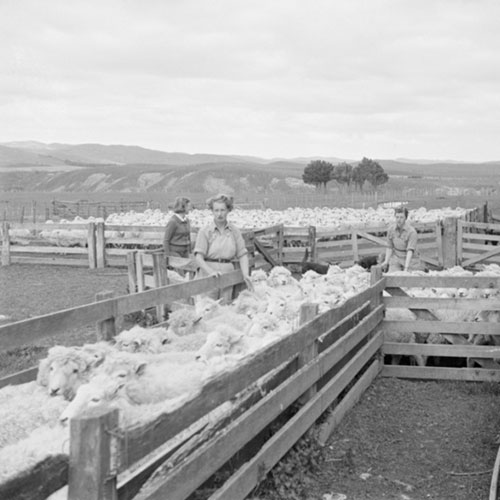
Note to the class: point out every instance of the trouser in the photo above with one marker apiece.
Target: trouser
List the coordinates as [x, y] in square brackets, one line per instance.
[226, 294]
[398, 264]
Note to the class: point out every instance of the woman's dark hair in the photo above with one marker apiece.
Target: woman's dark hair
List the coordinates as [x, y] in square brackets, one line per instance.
[401, 210]
[180, 205]
[224, 198]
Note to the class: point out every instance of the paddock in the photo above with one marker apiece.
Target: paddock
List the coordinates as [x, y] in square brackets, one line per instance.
[327, 363]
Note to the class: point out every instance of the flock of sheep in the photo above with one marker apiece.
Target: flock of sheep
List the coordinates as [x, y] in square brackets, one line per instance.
[323, 218]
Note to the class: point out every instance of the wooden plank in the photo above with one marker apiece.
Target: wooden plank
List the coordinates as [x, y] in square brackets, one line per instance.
[21, 377]
[494, 485]
[349, 400]
[307, 313]
[445, 350]
[461, 304]
[91, 245]
[480, 225]
[38, 482]
[252, 472]
[100, 245]
[92, 473]
[438, 373]
[373, 239]
[484, 256]
[5, 244]
[429, 326]
[29, 330]
[49, 250]
[265, 253]
[442, 281]
[49, 260]
[216, 391]
[105, 329]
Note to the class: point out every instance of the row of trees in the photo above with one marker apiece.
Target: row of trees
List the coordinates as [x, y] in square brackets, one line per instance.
[320, 173]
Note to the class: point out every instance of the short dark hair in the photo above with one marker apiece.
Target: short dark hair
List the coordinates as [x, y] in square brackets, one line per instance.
[224, 198]
[401, 210]
[180, 205]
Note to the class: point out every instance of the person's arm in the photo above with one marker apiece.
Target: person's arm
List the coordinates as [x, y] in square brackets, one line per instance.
[409, 256]
[388, 251]
[169, 231]
[245, 270]
[200, 260]
[410, 248]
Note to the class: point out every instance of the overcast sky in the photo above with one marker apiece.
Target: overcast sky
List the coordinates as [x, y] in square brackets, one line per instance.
[287, 78]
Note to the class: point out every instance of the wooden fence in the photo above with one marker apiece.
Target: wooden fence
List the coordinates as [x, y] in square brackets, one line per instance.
[457, 335]
[103, 458]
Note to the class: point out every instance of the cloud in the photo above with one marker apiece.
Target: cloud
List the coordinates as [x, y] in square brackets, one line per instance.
[280, 78]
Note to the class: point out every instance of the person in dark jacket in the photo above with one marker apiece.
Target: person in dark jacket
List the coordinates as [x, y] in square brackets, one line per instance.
[177, 238]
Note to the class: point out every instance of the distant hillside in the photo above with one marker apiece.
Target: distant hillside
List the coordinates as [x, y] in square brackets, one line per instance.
[34, 166]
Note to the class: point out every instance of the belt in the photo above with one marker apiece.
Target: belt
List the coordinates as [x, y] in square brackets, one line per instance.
[220, 261]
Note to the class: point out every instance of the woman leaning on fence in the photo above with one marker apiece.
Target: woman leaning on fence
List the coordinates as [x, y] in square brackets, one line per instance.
[401, 253]
[219, 245]
[177, 237]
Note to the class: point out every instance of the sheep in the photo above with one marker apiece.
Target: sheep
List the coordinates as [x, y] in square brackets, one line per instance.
[401, 314]
[280, 278]
[25, 407]
[65, 368]
[228, 344]
[139, 339]
[250, 303]
[137, 382]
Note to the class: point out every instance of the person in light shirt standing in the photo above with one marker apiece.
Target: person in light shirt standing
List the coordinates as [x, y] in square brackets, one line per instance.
[401, 249]
[219, 245]
[177, 237]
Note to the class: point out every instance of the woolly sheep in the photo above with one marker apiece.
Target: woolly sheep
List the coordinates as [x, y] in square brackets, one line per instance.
[25, 407]
[140, 339]
[65, 368]
[137, 383]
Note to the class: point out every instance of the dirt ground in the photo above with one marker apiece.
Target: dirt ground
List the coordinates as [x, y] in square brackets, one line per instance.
[405, 440]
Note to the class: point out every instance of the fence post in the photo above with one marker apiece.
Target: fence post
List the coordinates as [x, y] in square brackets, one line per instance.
[132, 276]
[5, 244]
[449, 242]
[100, 245]
[91, 245]
[375, 277]
[33, 211]
[93, 456]
[105, 329]
[308, 312]
[160, 279]
[354, 241]
[139, 269]
[312, 243]
[281, 239]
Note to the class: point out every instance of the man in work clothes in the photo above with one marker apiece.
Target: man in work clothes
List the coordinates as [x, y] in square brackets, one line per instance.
[401, 243]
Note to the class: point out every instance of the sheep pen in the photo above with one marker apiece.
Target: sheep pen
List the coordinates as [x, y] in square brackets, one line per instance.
[446, 431]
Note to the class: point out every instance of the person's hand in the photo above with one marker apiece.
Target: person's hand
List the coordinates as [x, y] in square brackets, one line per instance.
[248, 283]
[385, 266]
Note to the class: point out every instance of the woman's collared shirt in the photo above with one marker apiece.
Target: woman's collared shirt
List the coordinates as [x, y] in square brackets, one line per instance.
[214, 243]
[402, 240]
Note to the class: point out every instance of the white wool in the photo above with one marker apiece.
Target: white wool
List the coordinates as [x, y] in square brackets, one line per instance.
[25, 407]
[33, 448]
